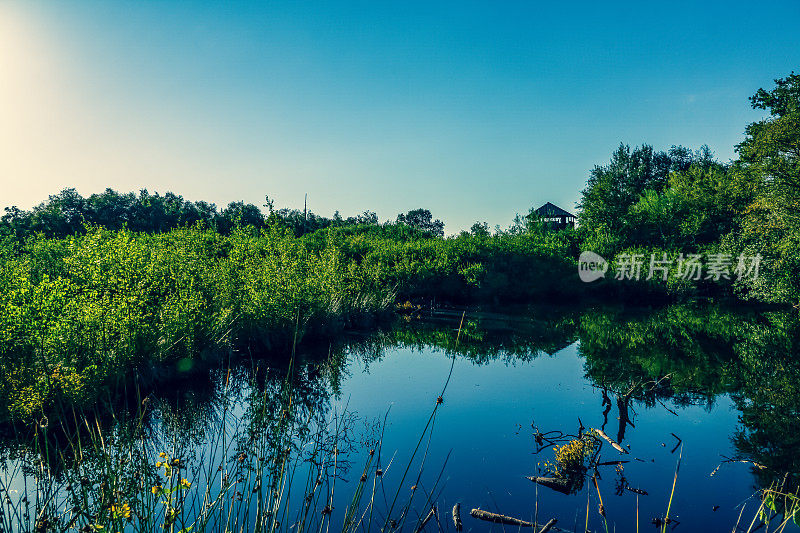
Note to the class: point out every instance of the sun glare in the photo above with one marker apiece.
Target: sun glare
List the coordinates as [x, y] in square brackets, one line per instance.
[31, 96]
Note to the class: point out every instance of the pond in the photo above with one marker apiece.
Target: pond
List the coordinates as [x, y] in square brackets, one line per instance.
[444, 408]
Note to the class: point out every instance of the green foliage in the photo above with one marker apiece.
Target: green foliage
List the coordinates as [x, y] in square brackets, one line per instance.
[67, 213]
[78, 314]
[613, 189]
[463, 268]
[422, 219]
[771, 224]
[684, 202]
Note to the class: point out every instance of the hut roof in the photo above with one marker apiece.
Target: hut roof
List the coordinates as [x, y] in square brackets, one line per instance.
[549, 210]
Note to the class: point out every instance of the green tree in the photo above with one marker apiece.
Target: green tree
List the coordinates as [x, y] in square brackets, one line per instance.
[773, 143]
[771, 225]
[422, 219]
[609, 217]
[480, 229]
[239, 214]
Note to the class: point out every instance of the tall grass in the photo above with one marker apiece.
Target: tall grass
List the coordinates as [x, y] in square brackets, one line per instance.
[264, 459]
[81, 314]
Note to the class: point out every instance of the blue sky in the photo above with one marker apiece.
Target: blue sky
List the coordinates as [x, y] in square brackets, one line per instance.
[475, 110]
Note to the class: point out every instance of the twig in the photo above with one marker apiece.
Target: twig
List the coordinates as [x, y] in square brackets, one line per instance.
[427, 519]
[613, 444]
[678, 444]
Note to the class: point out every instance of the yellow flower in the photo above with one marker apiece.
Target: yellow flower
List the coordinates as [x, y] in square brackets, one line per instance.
[123, 510]
[185, 483]
[162, 455]
[155, 489]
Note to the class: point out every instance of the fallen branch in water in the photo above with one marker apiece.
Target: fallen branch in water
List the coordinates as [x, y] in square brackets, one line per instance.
[678, 444]
[511, 521]
[548, 526]
[611, 441]
[636, 491]
[557, 484]
[499, 518]
[665, 407]
[729, 460]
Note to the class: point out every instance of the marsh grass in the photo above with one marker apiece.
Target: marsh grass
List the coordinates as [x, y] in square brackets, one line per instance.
[265, 457]
[80, 315]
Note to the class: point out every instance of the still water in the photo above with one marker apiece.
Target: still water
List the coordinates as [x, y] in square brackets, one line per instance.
[493, 409]
[484, 398]
[492, 412]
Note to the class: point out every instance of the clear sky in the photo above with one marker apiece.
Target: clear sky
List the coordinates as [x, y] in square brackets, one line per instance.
[475, 110]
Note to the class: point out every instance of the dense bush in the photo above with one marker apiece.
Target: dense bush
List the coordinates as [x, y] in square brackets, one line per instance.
[464, 268]
[79, 314]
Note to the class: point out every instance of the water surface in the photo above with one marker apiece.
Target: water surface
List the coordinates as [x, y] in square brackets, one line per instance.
[700, 385]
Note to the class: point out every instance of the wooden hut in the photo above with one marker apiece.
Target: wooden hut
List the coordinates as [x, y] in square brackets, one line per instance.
[554, 217]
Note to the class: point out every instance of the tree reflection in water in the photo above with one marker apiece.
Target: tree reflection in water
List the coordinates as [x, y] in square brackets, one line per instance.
[261, 443]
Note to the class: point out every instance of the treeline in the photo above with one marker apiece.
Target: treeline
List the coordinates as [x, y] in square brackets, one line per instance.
[647, 203]
[69, 213]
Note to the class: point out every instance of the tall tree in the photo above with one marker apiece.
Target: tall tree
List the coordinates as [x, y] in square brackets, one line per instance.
[771, 225]
[422, 219]
[613, 189]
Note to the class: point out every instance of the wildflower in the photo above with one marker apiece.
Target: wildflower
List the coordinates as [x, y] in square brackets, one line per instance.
[162, 455]
[123, 511]
[185, 483]
[159, 464]
[155, 489]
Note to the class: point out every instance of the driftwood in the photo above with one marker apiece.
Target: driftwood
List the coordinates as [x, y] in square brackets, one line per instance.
[555, 483]
[457, 517]
[427, 519]
[511, 521]
[608, 439]
[499, 518]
